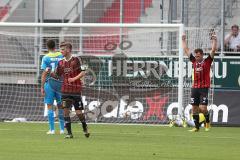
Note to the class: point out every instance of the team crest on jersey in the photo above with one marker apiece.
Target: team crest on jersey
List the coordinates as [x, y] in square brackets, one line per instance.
[67, 70]
[199, 69]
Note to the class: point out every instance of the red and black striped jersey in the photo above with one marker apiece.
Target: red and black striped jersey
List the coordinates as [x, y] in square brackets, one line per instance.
[201, 72]
[69, 69]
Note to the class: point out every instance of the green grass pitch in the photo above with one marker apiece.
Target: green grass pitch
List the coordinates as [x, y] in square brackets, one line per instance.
[28, 141]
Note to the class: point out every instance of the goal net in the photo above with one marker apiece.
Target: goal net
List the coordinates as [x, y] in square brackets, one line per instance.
[136, 73]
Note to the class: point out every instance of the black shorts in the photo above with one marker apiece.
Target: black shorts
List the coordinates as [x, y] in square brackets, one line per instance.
[199, 96]
[72, 100]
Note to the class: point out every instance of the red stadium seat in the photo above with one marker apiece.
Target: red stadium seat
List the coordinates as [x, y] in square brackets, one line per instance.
[147, 3]
[131, 14]
[3, 11]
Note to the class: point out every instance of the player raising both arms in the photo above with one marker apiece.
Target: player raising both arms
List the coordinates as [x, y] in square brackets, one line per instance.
[69, 69]
[201, 81]
[49, 62]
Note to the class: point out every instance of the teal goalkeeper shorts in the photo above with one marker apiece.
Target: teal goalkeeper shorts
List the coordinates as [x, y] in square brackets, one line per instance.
[51, 95]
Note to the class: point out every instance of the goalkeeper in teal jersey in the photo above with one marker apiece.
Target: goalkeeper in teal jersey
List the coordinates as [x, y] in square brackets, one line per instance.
[49, 63]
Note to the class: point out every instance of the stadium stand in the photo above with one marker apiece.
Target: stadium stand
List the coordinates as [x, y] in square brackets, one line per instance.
[131, 14]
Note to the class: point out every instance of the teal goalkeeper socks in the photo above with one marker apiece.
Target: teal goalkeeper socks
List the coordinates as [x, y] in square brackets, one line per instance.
[51, 120]
[61, 119]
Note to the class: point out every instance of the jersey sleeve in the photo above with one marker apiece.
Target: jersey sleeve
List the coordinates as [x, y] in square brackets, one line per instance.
[44, 64]
[209, 59]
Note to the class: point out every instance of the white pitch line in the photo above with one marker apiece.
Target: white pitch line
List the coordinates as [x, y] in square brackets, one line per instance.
[2, 129]
[134, 133]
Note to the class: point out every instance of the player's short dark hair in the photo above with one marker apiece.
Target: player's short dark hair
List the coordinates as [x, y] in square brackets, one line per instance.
[235, 26]
[62, 44]
[66, 44]
[198, 50]
[51, 44]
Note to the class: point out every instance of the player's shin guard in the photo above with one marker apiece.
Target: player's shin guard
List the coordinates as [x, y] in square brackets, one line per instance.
[196, 120]
[206, 115]
[68, 124]
[61, 119]
[84, 125]
[51, 119]
[207, 122]
[83, 121]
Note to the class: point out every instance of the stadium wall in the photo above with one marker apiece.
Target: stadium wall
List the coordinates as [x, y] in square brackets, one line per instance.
[148, 103]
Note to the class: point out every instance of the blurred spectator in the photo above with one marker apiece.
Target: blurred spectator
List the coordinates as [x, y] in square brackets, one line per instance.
[232, 40]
